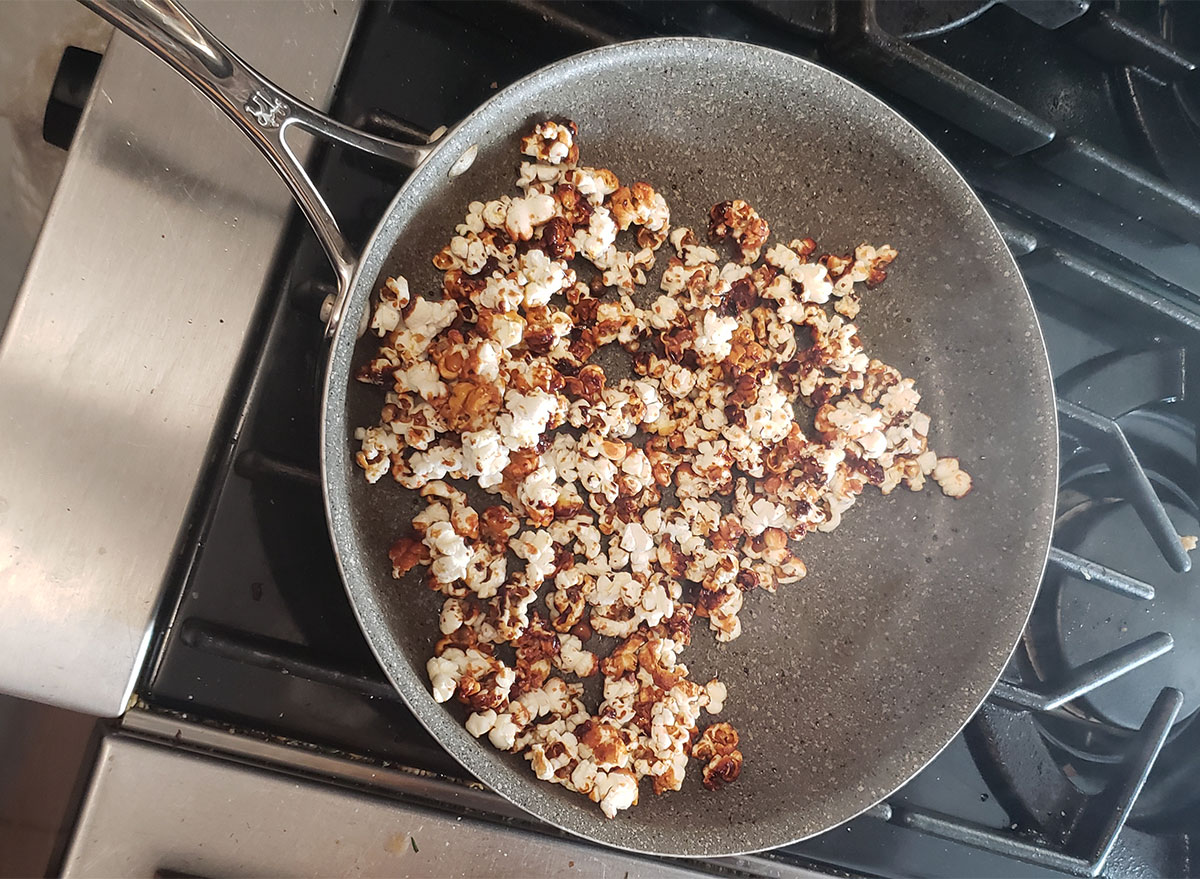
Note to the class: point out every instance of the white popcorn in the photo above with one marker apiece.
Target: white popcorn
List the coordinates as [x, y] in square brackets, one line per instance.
[617, 790]
[450, 553]
[764, 514]
[637, 466]
[593, 184]
[423, 377]
[532, 175]
[443, 677]
[486, 573]
[378, 444]
[550, 142]
[435, 463]
[713, 336]
[664, 312]
[639, 545]
[953, 480]
[452, 616]
[698, 254]
[527, 417]
[678, 381]
[599, 476]
[507, 331]
[574, 659]
[598, 239]
[468, 252]
[539, 489]
[785, 259]
[717, 693]
[424, 321]
[537, 549]
[814, 282]
[732, 271]
[494, 213]
[502, 293]
[647, 393]
[674, 280]
[484, 456]
[392, 300]
[655, 603]
[503, 733]
[526, 213]
[553, 698]
[480, 722]
[544, 277]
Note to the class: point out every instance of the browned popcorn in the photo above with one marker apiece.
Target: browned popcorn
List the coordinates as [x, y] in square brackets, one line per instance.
[624, 507]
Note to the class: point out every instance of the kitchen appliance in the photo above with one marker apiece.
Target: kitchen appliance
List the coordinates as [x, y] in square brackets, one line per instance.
[913, 696]
[1074, 122]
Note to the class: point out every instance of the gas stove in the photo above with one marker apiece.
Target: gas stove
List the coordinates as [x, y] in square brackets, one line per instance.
[1078, 124]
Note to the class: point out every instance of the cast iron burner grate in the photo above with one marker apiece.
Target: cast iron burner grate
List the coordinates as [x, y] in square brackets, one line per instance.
[1068, 117]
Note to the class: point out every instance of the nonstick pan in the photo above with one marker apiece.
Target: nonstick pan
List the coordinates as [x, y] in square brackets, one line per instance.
[844, 685]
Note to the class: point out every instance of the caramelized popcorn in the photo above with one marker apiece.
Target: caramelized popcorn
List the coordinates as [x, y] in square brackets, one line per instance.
[552, 143]
[632, 502]
[737, 220]
[718, 746]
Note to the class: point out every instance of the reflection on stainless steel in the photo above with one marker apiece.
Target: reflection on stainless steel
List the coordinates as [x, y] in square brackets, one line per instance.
[115, 362]
[261, 109]
[239, 820]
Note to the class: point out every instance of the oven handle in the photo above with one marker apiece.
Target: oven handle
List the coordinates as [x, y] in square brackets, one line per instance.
[262, 110]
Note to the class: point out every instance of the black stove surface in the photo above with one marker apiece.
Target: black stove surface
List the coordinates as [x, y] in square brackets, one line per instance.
[1078, 126]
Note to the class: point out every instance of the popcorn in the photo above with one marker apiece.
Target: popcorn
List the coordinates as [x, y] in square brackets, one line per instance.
[737, 220]
[484, 456]
[595, 184]
[524, 214]
[526, 417]
[449, 551]
[574, 659]
[953, 481]
[717, 693]
[425, 320]
[544, 277]
[537, 548]
[713, 336]
[552, 143]
[596, 241]
[478, 384]
[393, 298]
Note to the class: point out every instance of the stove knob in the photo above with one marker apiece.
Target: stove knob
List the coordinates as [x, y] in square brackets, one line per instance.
[69, 95]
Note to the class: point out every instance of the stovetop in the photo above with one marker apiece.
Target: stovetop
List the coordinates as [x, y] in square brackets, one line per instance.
[1078, 126]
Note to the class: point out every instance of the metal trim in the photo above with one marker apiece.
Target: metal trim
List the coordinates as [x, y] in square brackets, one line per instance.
[414, 787]
[115, 364]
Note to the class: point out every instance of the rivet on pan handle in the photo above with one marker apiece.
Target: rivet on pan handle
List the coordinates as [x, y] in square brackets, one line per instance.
[262, 110]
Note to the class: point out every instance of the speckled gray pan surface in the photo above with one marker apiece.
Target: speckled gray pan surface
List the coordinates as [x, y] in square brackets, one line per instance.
[844, 685]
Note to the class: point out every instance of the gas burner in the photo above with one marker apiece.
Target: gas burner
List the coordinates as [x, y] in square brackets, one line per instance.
[1162, 92]
[1085, 621]
[1117, 622]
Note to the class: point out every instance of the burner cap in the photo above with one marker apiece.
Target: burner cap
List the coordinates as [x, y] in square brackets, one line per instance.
[1092, 621]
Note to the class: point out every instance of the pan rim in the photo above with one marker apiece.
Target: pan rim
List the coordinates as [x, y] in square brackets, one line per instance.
[362, 286]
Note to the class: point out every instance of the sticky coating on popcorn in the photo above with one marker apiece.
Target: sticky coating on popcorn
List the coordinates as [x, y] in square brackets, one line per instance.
[611, 511]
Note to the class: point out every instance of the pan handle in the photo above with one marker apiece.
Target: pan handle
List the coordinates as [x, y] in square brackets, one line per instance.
[262, 110]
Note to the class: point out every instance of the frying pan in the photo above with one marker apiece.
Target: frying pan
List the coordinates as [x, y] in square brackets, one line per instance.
[844, 685]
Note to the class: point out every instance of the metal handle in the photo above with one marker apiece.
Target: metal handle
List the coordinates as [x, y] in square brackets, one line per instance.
[261, 109]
